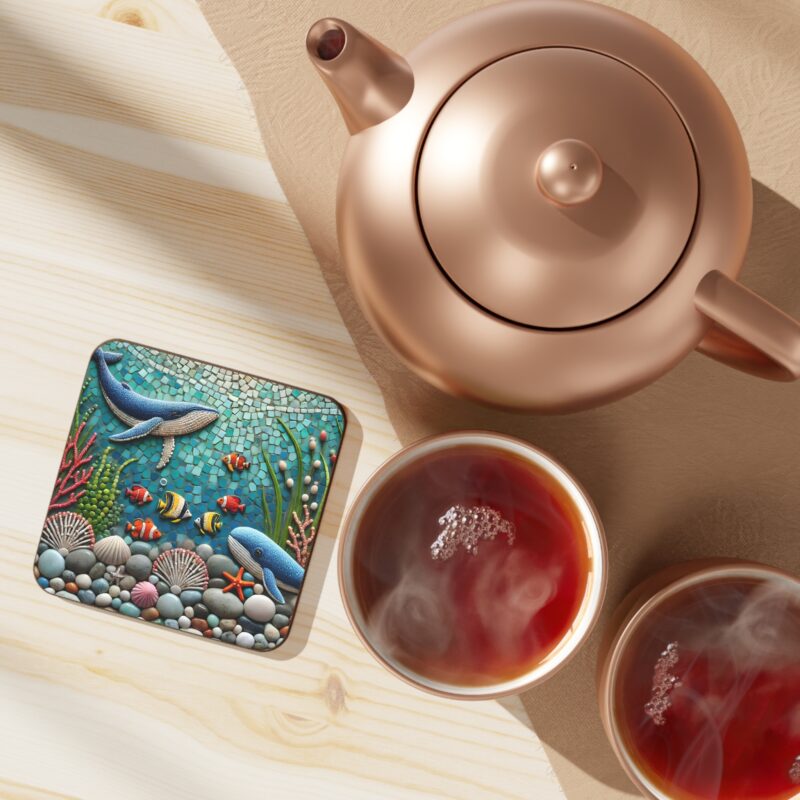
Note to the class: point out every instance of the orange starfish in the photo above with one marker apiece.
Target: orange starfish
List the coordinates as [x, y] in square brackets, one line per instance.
[236, 583]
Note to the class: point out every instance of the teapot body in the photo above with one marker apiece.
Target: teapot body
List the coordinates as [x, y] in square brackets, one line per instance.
[453, 340]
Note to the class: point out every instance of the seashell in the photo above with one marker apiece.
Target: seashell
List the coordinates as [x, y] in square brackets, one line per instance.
[112, 551]
[144, 594]
[181, 569]
[67, 531]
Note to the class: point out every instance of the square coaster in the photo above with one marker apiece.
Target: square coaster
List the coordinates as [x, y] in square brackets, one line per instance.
[189, 495]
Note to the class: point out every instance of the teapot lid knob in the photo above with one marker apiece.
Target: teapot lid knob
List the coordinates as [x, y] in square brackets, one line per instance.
[569, 172]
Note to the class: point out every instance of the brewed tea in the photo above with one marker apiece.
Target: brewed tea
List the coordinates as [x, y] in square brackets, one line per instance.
[470, 565]
[708, 692]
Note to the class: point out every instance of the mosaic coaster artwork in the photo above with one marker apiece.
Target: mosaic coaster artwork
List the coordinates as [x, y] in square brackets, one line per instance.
[189, 495]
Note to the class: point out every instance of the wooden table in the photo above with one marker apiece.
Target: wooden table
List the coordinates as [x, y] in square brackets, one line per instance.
[136, 202]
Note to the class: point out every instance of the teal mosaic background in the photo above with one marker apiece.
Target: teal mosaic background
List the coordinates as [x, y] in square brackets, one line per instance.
[249, 409]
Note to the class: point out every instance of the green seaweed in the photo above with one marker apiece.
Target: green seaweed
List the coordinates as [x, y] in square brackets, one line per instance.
[100, 505]
[276, 524]
[295, 504]
[273, 526]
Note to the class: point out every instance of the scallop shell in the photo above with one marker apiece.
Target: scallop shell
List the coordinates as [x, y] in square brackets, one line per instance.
[67, 531]
[181, 569]
[112, 551]
[144, 594]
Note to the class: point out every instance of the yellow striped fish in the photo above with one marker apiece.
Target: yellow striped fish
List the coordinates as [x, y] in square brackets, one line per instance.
[174, 507]
[209, 523]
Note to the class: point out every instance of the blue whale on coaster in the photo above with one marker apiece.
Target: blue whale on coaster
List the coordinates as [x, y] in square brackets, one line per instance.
[146, 416]
[262, 557]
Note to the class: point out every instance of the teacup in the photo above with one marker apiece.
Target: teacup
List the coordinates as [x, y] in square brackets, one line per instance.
[472, 565]
[700, 683]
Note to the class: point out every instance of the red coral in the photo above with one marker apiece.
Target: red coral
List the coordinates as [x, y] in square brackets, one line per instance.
[299, 541]
[72, 474]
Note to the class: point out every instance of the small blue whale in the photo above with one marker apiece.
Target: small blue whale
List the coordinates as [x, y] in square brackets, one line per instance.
[145, 416]
[264, 559]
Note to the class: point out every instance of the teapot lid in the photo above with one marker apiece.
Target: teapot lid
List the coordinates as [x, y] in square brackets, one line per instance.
[557, 187]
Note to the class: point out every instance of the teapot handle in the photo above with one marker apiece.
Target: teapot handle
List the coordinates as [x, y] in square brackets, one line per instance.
[749, 333]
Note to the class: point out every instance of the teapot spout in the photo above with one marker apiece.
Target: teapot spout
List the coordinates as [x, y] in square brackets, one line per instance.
[369, 82]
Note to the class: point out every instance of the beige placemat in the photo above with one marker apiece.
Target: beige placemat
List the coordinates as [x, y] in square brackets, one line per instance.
[704, 462]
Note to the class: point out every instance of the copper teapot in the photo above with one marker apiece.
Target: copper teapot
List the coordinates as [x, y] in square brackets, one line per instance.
[546, 205]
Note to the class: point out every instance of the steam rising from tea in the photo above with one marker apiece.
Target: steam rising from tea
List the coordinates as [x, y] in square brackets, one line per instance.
[470, 566]
[708, 697]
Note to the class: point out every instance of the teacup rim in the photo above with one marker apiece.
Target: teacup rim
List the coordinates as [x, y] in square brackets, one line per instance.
[587, 615]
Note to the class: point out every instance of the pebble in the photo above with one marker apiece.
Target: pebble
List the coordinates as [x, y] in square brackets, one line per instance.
[97, 571]
[51, 563]
[247, 624]
[153, 579]
[245, 639]
[129, 610]
[280, 621]
[191, 596]
[67, 595]
[128, 582]
[216, 632]
[189, 612]
[164, 546]
[153, 553]
[237, 630]
[248, 592]
[187, 544]
[283, 632]
[217, 583]
[49, 590]
[285, 609]
[184, 622]
[212, 619]
[83, 581]
[271, 645]
[68, 575]
[81, 560]
[260, 641]
[200, 611]
[258, 589]
[208, 633]
[171, 623]
[223, 604]
[200, 625]
[139, 566]
[114, 590]
[100, 585]
[141, 549]
[103, 600]
[227, 624]
[43, 582]
[42, 547]
[218, 563]
[229, 637]
[71, 587]
[205, 551]
[124, 595]
[169, 606]
[162, 587]
[271, 632]
[116, 603]
[259, 608]
[57, 584]
[150, 614]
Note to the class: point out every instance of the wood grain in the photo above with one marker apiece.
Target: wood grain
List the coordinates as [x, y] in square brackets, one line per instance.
[701, 463]
[136, 202]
